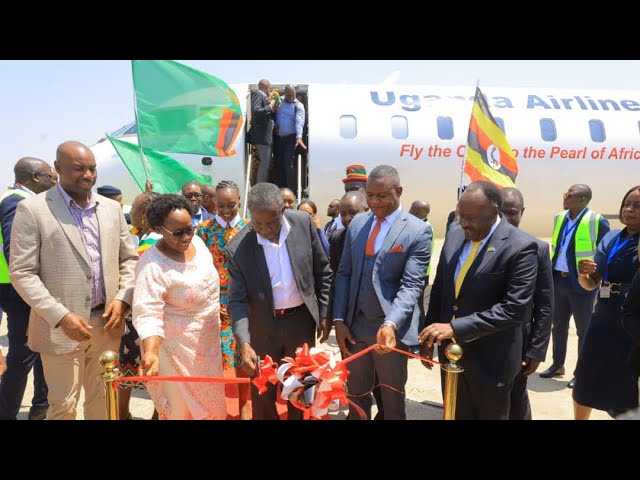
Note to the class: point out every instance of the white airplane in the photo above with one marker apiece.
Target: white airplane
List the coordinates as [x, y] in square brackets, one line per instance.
[560, 137]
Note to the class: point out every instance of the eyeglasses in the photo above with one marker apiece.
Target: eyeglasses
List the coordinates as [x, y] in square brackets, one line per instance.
[193, 195]
[51, 178]
[180, 233]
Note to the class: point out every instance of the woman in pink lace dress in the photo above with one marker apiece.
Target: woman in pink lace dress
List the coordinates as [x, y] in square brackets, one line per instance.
[176, 311]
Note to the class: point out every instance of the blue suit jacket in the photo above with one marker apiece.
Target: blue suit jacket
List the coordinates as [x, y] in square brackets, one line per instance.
[603, 229]
[398, 275]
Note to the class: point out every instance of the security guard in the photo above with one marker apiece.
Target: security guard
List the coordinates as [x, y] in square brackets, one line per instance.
[576, 233]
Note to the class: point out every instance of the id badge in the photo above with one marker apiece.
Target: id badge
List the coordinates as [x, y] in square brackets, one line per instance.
[605, 291]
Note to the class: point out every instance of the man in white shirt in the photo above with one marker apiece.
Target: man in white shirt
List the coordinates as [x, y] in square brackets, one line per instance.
[278, 288]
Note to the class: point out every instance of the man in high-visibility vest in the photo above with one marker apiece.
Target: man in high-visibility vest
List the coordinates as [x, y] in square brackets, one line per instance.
[32, 176]
[576, 233]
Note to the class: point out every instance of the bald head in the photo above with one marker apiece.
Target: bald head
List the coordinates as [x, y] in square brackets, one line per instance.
[264, 85]
[35, 174]
[512, 205]
[76, 166]
[289, 93]
[420, 209]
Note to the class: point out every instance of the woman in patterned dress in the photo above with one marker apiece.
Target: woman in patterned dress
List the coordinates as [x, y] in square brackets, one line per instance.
[216, 233]
[129, 353]
[176, 311]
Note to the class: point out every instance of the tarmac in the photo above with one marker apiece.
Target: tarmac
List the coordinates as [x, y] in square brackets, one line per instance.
[550, 398]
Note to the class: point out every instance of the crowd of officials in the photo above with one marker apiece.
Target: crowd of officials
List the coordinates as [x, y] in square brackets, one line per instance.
[189, 288]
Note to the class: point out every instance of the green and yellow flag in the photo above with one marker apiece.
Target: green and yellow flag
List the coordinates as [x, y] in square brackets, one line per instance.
[166, 174]
[489, 156]
[183, 110]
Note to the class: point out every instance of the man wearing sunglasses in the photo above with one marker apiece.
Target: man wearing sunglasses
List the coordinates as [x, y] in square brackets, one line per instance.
[32, 176]
[192, 192]
[73, 262]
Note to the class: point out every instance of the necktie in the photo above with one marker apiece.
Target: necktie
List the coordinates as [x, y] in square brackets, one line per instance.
[369, 251]
[466, 266]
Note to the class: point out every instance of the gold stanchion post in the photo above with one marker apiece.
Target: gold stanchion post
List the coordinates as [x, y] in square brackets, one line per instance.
[109, 361]
[453, 352]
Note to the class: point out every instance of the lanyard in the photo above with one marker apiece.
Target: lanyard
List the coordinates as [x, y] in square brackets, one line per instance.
[566, 234]
[617, 246]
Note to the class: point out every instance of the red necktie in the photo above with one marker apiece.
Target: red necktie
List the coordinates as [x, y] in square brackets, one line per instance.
[369, 250]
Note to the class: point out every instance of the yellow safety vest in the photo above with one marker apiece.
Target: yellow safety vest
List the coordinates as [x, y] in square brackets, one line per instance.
[433, 244]
[4, 262]
[586, 235]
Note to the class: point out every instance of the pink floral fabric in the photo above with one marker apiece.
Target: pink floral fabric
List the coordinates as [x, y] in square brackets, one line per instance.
[180, 302]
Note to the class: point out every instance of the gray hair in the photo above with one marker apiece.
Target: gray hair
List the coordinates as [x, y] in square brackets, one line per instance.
[386, 171]
[358, 195]
[264, 195]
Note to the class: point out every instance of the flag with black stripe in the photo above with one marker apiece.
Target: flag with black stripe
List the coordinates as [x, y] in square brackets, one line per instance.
[489, 156]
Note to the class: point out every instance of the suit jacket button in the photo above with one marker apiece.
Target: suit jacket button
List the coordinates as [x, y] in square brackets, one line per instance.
[88, 299]
[455, 308]
[88, 277]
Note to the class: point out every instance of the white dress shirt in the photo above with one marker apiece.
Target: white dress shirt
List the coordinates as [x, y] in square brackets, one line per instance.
[283, 284]
[466, 250]
[561, 259]
[223, 222]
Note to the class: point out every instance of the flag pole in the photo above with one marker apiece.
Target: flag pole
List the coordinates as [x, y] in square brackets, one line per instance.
[464, 158]
[135, 112]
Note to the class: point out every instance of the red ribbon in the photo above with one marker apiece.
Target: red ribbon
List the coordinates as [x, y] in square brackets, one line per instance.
[267, 374]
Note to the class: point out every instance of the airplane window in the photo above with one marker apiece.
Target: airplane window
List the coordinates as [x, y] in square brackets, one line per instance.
[596, 128]
[548, 130]
[445, 128]
[500, 123]
[399, 127]
[348, 126]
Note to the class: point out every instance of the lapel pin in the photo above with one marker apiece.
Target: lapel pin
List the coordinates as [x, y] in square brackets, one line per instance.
[491, 249]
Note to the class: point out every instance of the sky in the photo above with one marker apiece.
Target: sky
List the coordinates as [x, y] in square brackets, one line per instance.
[46, 102]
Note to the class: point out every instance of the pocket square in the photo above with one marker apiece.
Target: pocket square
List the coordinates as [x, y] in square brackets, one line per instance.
[396, 249]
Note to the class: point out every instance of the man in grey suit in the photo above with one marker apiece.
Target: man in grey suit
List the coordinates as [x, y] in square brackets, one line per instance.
[378, 285]
[482, 294]
[261, 128]
[278, 288]
[537, 329]
[73, 262]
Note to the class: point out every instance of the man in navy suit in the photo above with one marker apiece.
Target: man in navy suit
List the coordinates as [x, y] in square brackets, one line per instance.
[32, 176]
[576, 234]
[261, 129]
[537, 329]
[379, 282]
[481, 296]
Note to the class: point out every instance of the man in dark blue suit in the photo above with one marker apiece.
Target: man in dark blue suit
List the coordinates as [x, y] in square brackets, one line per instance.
[261, 128]
[537, 329]
[482, 294]
[32, 176]
[576, 234]
[379, 282]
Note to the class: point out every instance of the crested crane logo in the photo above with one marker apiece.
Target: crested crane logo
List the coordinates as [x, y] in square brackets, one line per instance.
[493, 157]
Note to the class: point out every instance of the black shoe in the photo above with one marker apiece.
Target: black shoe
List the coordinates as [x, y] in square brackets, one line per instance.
[552, 371]
[37, 413]
[571, 383]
